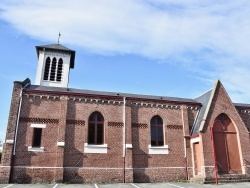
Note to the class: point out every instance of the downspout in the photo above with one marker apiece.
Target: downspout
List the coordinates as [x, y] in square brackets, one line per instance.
[192, 129]
[185, 158]
[124, 136]
[185, 149]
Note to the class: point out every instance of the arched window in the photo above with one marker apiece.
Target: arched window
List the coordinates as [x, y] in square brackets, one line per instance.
[59, 70]
[96, 128]
[156, 127]
[46, 69]
[53, 70]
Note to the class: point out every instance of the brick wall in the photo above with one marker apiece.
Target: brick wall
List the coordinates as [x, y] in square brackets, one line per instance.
[221, 103]
[66, 119]
[245, 116]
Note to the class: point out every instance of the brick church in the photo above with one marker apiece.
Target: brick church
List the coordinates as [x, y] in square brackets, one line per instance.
[61, 134]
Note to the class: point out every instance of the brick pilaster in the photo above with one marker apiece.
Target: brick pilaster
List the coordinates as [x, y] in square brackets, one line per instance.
[61, 138]
[185, 123]
[5, 168]
[129, 160]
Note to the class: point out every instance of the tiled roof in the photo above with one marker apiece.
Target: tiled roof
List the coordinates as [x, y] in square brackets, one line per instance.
[242, 105]
[58, 47]
[72, 91]
[203, 99]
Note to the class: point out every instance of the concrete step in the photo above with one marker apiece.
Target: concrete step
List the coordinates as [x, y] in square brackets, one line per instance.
[197, 179]
[222, 178]
[229, 178]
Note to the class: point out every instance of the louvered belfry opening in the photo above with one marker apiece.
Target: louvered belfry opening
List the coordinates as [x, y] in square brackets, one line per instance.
[46, 69]
[59, 70]
[53, 70]
[226, 146]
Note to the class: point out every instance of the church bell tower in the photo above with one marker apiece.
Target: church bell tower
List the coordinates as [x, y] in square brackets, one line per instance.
[54, 64]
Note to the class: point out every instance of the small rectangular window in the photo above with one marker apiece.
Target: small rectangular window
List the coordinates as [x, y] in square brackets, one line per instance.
[37, 137]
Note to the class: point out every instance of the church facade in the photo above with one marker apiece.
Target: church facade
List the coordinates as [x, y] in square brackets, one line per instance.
[61, 134]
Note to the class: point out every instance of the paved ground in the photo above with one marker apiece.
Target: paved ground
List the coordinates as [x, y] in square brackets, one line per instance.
[128, 185]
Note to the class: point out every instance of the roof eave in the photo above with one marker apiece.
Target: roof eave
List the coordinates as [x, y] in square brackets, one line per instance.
[111, 96]
[72, 58]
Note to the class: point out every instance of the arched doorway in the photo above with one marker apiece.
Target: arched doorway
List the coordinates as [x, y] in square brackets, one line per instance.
[226, 145]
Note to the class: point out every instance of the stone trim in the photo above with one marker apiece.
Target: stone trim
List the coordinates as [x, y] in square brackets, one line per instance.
[36, 149]
[61, 144]
[38, 125]
[9, 141]
[96, 100]
[158, 149]
[37, 167]
[89, 148]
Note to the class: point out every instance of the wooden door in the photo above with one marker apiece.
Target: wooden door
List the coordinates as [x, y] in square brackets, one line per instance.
[226, 145]
[197, 158]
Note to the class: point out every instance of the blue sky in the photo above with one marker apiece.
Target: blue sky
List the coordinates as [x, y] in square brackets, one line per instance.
[160, 47]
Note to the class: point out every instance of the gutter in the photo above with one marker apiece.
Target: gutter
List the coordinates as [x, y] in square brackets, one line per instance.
[184, 145]
[118, 96]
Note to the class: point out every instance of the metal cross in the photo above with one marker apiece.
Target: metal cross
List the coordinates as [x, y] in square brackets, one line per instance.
[59, 37]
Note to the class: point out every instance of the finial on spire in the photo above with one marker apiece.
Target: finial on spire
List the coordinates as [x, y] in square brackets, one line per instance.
[59, 37]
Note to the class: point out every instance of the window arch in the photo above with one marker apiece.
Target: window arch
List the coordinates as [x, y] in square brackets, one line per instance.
[47, 68]
[96, 128]
[156, 128]
[59, 70]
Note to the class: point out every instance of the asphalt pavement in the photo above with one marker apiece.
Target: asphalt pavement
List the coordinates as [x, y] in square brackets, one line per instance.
[129, 185]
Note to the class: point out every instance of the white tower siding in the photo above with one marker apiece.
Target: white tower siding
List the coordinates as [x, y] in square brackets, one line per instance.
[53, 53]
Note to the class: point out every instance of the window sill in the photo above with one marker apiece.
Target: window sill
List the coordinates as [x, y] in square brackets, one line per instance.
[36, 149]
[89, 148]
[38, 125]
[158, 149]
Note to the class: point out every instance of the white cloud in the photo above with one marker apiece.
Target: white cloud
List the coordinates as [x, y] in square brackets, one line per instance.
[207, 37]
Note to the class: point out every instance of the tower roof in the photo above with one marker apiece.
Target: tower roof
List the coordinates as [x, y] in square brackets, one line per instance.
[60, 48]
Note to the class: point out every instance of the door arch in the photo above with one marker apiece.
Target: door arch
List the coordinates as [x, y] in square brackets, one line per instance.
[226, 145]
